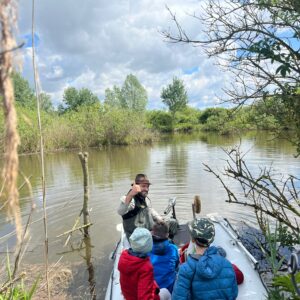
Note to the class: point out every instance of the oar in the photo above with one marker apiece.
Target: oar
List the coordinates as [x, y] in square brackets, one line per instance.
[196, 206]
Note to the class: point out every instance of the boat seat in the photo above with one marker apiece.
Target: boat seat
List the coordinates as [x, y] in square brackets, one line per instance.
[182, 236]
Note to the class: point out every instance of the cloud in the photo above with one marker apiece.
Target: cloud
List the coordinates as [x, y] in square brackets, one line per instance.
[95, 44]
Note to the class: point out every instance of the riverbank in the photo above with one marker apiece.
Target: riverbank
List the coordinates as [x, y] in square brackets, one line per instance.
[95, 126]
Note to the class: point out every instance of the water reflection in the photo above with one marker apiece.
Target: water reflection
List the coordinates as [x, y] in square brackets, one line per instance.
[173, 165]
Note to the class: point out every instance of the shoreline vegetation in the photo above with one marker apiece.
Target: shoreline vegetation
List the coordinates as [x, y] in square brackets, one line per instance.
[85, 122]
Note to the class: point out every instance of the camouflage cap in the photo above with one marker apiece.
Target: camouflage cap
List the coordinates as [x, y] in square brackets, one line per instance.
[203, 231]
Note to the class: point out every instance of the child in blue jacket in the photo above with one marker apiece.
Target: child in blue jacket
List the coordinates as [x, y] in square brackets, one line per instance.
[164, 257]
[205, 275]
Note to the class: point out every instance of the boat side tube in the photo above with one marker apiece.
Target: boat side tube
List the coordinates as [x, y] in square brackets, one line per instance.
[228, 228]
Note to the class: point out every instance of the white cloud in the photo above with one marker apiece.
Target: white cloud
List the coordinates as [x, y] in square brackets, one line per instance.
[95, 44]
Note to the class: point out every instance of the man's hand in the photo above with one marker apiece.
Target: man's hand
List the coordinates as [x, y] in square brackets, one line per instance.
[134, 190]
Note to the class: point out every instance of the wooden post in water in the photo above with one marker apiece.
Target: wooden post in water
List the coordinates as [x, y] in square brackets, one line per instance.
[84, 163]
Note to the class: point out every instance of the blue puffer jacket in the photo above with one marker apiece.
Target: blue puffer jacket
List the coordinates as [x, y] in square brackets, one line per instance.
[206, 277]
[164, 258]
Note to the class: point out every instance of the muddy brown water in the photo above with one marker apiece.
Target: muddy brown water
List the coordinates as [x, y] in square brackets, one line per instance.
[174, 167]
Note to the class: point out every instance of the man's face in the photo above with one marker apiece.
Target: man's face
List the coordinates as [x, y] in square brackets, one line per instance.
[144, 189]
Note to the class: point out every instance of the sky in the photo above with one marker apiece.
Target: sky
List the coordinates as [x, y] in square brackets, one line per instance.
[95, 44]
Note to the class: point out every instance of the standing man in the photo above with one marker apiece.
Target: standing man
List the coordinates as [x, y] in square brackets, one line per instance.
[134, 207]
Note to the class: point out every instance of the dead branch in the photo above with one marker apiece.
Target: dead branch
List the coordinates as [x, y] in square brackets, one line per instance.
[268, 196]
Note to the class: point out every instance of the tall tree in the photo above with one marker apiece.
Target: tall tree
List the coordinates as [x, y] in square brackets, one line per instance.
[113, 97]
[134, 95]
[74, 98]
[175, 96]
[259, 42]
[23, 93]
[46, 103]
[131, 96]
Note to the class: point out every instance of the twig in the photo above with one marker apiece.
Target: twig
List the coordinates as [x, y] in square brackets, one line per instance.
[74, 226]
[72, 230]
[12, 49]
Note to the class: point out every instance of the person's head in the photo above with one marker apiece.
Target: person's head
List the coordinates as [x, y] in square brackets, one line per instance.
[202, 232]
[143, 181]
[141, 240]
[160, 231]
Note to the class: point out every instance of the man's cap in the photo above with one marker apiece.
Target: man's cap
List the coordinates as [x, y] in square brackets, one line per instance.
[203, 231]
[141, 240]
[141, 179]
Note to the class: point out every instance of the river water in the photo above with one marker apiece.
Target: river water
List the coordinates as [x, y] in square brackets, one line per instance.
[174, 167]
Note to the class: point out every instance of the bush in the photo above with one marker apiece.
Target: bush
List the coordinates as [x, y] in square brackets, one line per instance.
[160, 120]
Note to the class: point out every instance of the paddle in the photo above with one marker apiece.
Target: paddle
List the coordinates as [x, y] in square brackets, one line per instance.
[196, 206]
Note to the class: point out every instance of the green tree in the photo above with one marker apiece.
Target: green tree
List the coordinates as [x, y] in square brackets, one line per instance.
[259, 42]
[134, 95]
[160, 120]
[113, 97]
[46, 103]
[175, 96]
[74, 98]
[24, 95]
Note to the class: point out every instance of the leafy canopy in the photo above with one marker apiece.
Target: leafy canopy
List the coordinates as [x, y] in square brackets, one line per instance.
[132, 95]
[175, 96]
[74, 98]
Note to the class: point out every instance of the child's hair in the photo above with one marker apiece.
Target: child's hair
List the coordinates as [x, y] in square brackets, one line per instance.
[160, 230]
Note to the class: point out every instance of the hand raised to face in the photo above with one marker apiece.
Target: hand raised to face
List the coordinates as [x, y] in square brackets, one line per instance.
[135, 189]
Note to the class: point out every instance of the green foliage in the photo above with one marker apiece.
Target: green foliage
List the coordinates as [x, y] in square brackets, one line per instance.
[132, 95]
[284, 287]
[160, 120]
[74, 98]
[88, 126]
[271, 253]
[187, 119]
[45, 102]
[175, 96]
[24, 95]
[258, 42]
[17, 291]
[216, 119]
[113, 98]
[127, 128]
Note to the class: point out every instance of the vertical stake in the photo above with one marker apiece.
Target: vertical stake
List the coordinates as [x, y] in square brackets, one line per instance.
[84, 163]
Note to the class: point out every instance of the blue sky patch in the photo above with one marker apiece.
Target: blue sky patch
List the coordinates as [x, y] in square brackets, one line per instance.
[28, 40]
[191, 70]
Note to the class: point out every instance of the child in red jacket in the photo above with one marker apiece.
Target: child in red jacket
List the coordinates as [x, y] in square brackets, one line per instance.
[136, 271]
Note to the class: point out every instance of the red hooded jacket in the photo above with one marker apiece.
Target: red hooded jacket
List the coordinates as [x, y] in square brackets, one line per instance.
[136, 278]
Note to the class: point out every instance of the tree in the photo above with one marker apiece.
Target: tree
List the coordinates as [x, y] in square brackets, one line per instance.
[23, 93]
[113, 97]
[46, 103]
[134, 95]
[74, 98]
[175, 96]
[259, 42]
[131, 96]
